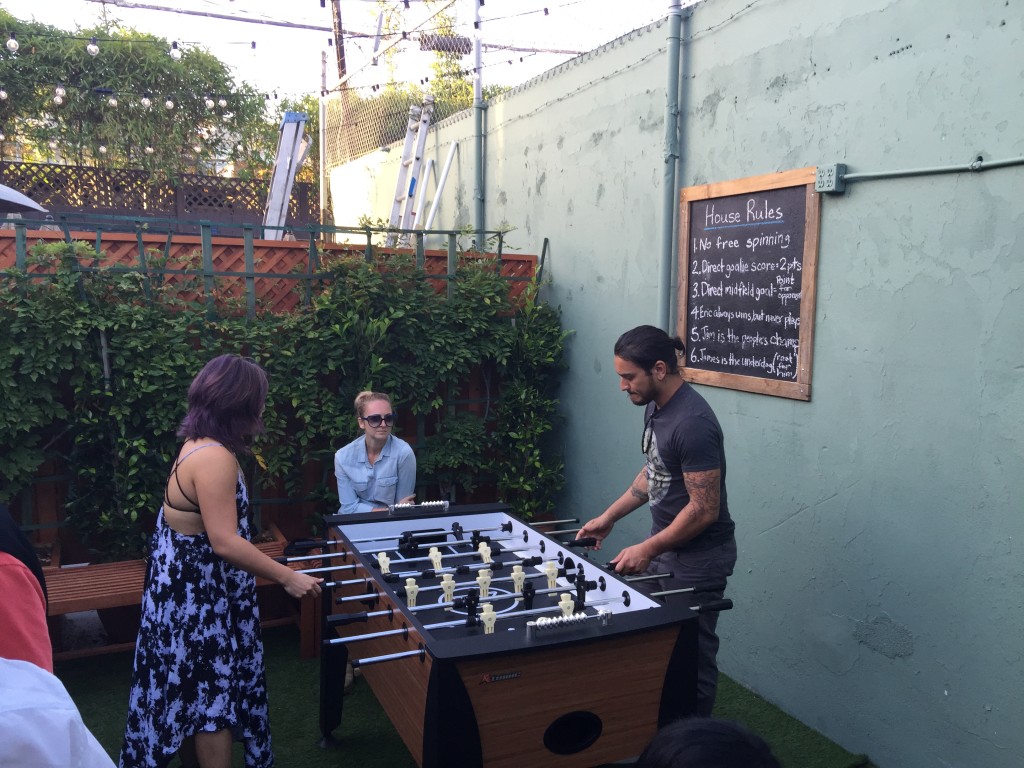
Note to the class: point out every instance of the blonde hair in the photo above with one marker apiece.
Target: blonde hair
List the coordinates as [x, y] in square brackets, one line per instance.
[365, 397]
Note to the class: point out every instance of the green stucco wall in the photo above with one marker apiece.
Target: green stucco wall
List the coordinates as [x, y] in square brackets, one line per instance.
[880, 586]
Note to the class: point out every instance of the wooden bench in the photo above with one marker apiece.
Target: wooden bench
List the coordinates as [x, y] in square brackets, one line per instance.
[76, 588]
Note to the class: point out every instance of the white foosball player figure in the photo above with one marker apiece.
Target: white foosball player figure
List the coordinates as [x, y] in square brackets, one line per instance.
[385, 562]
[485, 551]
[551, 571]
[435, 558]
[518, 577]
[448, 588]
[410, 592]
[566, 604]
[488, 617]
[483, 580]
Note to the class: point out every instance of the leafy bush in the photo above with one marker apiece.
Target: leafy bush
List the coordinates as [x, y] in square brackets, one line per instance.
[96, 362]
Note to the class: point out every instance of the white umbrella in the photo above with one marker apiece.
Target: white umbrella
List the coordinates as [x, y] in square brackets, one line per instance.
[12, 201]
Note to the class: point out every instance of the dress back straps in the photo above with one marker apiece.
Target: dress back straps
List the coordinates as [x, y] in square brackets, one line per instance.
[174, 474]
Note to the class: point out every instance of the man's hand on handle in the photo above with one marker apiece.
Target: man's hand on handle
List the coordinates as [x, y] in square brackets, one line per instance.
[598, 528]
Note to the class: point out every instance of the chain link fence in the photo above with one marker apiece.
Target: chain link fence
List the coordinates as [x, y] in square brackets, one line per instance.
[427, 48]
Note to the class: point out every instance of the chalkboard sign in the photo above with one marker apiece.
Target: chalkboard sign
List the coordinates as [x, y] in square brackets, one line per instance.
[748, 261]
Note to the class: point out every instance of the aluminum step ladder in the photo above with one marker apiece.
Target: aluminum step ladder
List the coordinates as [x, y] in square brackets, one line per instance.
[292, 148]
[403, 211]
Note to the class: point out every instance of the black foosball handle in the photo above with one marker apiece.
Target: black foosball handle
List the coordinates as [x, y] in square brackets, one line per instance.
[300, 546]
[587, 541]
[714, 605]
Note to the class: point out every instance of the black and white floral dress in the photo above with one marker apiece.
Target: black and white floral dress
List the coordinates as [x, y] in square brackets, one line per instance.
[199, 657]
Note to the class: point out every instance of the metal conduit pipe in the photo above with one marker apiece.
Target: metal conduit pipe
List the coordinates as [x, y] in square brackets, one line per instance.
[478, 132]
[670, 200]
[973, 167]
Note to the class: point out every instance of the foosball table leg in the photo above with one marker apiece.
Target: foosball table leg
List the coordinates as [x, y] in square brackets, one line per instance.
[333, 661]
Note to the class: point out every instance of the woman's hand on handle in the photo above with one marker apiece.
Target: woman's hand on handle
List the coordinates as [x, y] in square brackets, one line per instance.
[300, 585]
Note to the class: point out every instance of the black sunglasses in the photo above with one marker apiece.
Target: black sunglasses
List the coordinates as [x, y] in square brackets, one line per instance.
[375, 419]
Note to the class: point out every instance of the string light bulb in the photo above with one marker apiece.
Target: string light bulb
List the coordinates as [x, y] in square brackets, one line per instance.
[175, 51]
[148, 150]
[103, 150]
[112, 101]
[3, 136]
[12, 44]
[209, 102]
[169, 104]
[146, 101]
[3, 95]
[222, 102]
[92, 48]
[58, 95]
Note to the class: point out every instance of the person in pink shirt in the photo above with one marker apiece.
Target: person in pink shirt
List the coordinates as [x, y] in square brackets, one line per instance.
[23, 607]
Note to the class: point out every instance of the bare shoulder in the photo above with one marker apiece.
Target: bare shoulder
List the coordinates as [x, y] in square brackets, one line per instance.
[208, 459]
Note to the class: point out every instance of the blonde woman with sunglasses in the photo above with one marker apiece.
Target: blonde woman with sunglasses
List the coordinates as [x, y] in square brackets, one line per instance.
[376, 469]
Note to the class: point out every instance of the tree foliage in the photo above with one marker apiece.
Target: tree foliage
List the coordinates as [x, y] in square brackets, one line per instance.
[214, 120]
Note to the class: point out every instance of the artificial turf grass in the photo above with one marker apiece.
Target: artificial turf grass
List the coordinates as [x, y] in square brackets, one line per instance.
[795, 745]
[99, 686]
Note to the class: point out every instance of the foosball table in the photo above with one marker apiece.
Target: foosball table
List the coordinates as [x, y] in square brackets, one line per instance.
[490, 642]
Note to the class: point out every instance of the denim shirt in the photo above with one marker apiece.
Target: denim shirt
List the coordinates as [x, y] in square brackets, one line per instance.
[362, 486]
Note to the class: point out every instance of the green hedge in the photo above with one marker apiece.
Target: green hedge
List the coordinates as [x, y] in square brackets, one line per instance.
[95, 365]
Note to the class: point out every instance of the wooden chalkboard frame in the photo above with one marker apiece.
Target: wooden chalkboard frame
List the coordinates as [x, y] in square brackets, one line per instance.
[800, 389]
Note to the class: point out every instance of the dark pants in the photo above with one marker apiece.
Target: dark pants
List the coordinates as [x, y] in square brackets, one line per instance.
[689, 569]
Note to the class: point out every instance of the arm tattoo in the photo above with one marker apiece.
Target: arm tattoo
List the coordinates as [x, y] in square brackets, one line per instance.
[705, 490]
[638, 493]
[639, 487]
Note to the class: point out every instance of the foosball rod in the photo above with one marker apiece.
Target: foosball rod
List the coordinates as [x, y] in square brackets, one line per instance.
[512, 596]
[340, 619]
[343, 583]
[554, 522]
[526, 562]
[439, 625]
[312, 543]
[369, 636]
[402, 560]
[531, 612]
[329, 568]
[585, 542]
[389, 657]
[507, 527]
[719, 587]
[302, 558]
[473, 585]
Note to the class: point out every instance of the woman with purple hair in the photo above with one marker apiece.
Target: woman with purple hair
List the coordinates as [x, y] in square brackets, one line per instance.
[199, 675]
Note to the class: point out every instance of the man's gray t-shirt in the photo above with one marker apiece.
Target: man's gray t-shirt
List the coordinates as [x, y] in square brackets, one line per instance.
[684, 436]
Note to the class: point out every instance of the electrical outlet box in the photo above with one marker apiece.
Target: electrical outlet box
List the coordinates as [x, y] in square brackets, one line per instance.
[830, 178]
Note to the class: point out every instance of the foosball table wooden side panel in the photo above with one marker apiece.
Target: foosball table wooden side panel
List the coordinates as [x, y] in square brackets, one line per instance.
[401, 685]
[570, 707]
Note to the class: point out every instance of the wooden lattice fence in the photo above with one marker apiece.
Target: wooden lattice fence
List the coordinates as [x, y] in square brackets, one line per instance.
[272, 279]
[67, 191]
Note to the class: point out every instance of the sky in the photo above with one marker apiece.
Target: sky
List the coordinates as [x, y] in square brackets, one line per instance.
[290, 61]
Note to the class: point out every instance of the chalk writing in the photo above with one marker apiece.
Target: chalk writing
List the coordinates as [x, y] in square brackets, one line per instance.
[744, 269]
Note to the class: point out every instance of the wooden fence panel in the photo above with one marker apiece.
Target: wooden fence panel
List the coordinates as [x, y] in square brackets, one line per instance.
[280, 268]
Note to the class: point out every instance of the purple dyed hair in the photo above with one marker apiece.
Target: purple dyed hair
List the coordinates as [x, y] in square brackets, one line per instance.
[225, 402]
